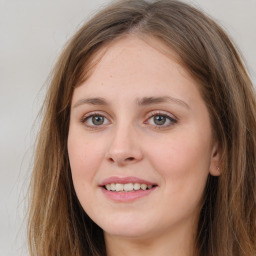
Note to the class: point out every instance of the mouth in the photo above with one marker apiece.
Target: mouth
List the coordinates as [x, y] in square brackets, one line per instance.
[127, 187]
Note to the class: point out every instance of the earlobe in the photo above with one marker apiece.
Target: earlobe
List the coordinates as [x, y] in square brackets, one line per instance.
[215, 169]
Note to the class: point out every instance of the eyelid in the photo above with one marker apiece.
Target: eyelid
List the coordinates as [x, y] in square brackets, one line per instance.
[91, 114]
[173, 119]
[161, 112]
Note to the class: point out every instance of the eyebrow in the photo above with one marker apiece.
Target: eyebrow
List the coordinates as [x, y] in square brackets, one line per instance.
[91, 101]
[157, 100]
[145, 101]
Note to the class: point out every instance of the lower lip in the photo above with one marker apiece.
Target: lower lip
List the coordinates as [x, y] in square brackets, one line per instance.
[126, 196]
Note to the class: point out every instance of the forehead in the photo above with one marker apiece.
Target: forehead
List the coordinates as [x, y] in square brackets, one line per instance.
[135, 53]
[126, 43]
[135, 46]
[137, 66]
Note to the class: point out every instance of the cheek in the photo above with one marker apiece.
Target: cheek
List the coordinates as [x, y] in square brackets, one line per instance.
[84, 161]
[181, 155]
[183, 162]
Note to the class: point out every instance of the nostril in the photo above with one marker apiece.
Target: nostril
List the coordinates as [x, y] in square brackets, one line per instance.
[121, 159]
[111, 159]
[130, 158]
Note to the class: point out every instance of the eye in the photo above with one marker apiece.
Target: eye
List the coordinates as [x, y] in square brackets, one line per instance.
[97, 120]
[161, 120]
[94, 120]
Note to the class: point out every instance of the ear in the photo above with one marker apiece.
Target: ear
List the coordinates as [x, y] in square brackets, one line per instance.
[215, 168]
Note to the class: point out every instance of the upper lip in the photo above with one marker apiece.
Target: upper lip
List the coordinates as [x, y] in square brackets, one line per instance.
[124, 180]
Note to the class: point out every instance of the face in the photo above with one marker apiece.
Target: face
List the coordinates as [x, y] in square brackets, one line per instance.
[140, 142]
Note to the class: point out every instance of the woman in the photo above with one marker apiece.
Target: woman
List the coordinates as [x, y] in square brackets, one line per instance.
[148, 144]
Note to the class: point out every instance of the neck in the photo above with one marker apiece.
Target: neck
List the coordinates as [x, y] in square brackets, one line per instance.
[177, 243]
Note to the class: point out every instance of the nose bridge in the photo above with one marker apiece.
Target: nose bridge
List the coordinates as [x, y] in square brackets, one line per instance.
[124, 144]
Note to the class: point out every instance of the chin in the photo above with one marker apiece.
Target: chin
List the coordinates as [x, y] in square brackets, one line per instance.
[125, 227]
[131, 233]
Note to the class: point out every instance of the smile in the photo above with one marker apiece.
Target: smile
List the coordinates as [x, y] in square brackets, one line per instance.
[128, 187]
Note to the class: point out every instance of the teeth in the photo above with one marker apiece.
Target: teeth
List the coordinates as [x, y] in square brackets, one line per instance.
[127, 187]
[119, 187]
[113, 187]
[136, 186]
[143, 186]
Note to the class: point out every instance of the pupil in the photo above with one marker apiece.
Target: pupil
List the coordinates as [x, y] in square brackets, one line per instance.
[98, 120]
[159, 120]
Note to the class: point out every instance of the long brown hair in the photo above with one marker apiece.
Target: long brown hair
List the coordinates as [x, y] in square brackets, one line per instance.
[227, 226]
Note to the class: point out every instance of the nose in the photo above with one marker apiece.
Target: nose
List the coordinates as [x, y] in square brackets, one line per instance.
[124, 147]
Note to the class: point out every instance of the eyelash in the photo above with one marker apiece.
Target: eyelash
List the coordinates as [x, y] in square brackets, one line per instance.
[172, 120]
[85, 118]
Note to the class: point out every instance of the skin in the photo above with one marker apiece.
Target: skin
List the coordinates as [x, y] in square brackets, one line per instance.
[177, 155]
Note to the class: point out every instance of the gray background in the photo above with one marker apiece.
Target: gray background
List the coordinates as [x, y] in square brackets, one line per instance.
[32, 34]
